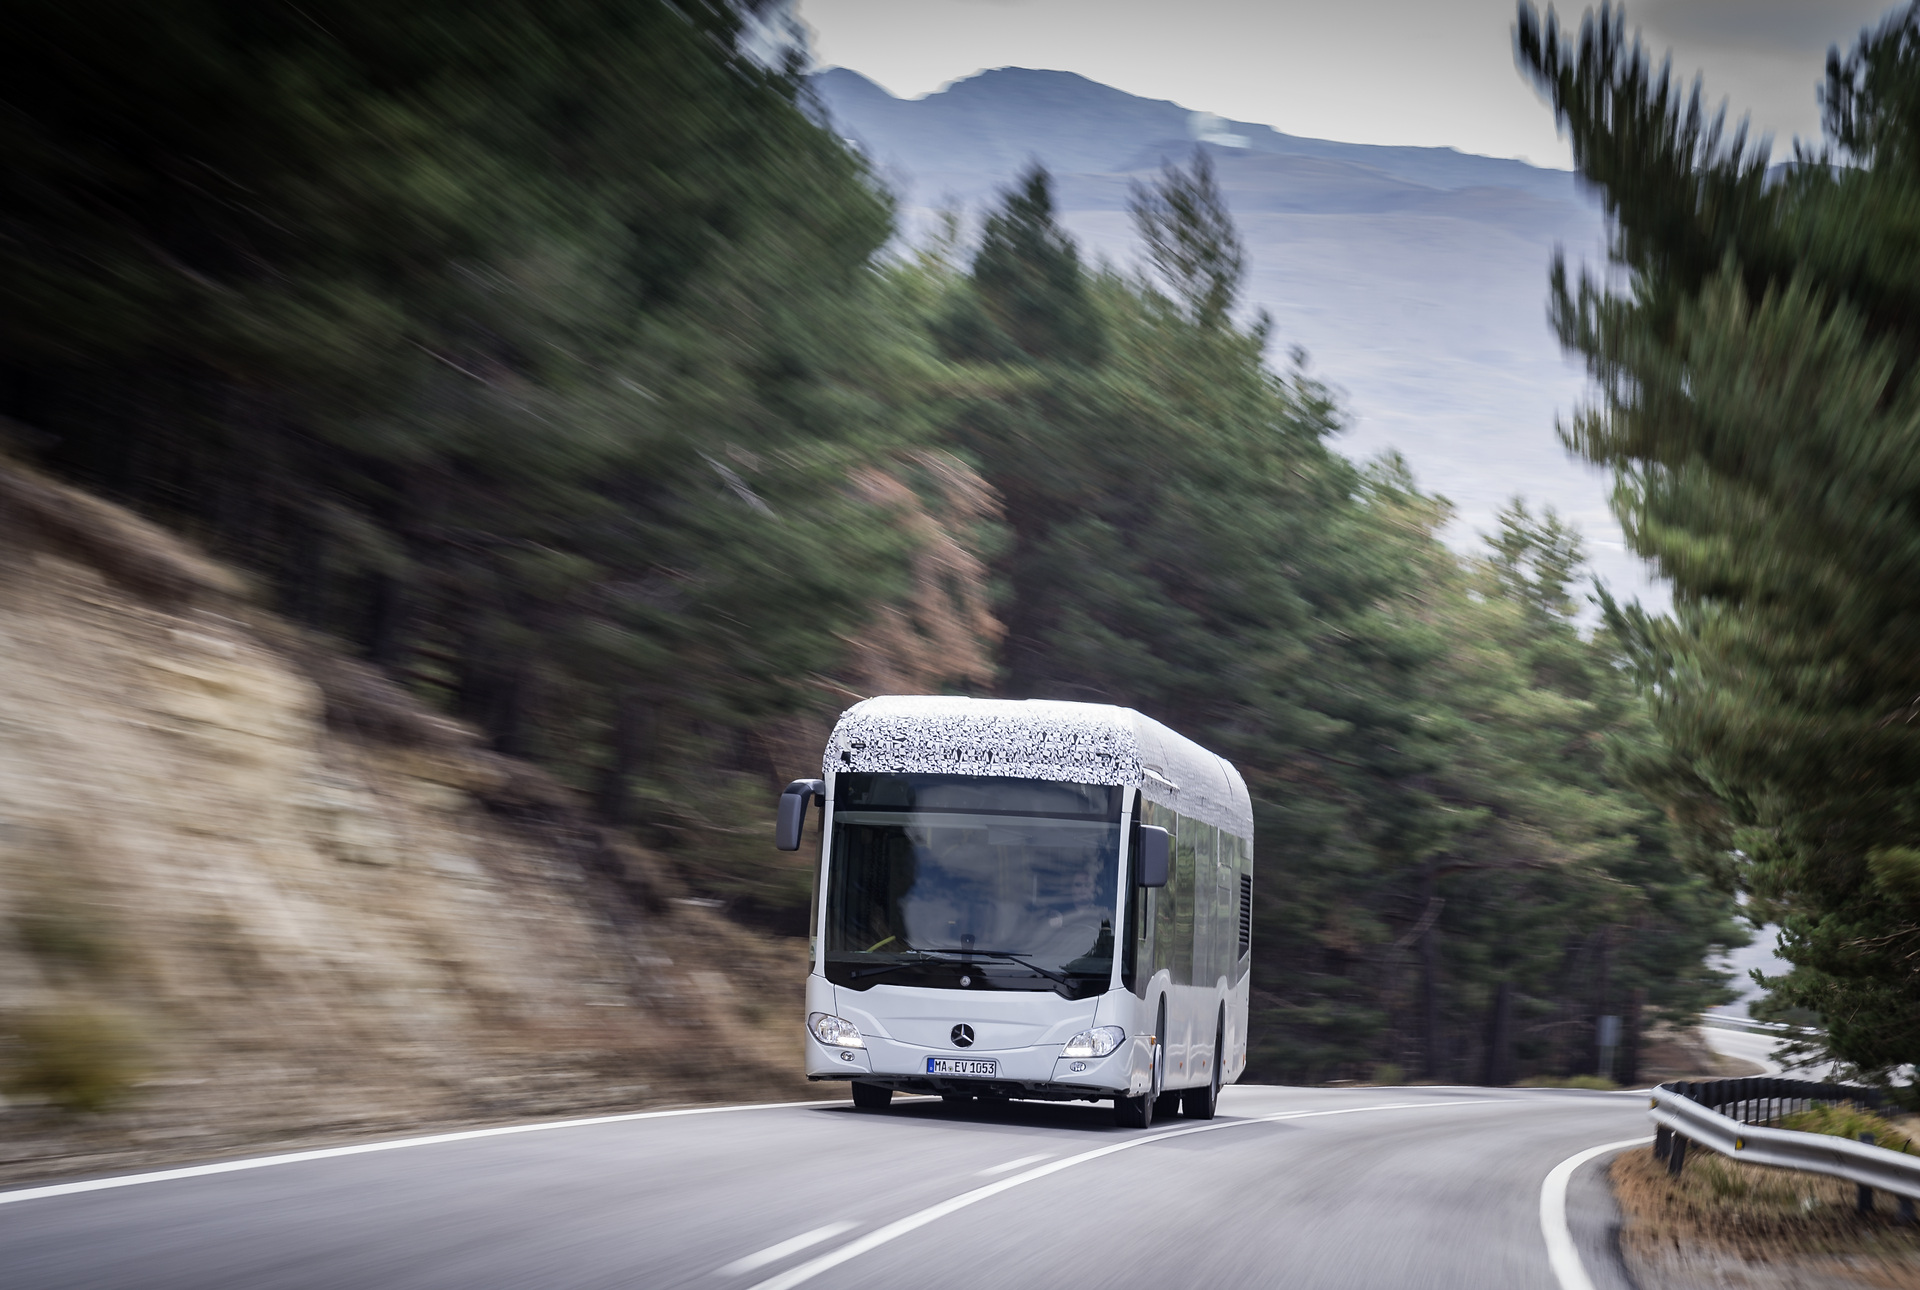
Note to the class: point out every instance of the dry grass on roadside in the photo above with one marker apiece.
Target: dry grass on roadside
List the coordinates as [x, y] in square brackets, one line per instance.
[1725, 1222]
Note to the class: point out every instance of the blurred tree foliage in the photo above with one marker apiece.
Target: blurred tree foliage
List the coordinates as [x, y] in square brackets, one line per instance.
[529, 346]
[1758, 401]
[1427, 739]
[547, 354]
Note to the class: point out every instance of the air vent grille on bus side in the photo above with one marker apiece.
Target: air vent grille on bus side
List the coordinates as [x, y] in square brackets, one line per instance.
[1246, 913]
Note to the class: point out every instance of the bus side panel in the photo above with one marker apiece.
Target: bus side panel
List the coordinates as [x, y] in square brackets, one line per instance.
[1241, 974]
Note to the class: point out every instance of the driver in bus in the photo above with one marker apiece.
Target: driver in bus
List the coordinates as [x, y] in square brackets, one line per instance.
[1083, 901]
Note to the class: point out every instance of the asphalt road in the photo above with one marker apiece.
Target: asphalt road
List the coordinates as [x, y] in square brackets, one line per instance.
[1748, 1047]
[1377, 1188]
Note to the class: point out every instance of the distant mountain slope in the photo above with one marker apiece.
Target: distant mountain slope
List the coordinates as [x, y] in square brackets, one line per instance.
[1416, 277]
[990, 123]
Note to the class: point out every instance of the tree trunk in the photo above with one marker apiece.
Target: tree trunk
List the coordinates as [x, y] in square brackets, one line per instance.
[1499, 1069]
[387, 620]
[1430, 979]
[629, 723]
[1569, 1033]
[1630, 1039]
[1603, 955]
[506, 717]
[304, 569]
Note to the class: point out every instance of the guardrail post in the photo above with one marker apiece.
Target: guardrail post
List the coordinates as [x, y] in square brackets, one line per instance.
[1863, 1198]
[1906, 1210]
[1677, 1155]
[1662, 1141]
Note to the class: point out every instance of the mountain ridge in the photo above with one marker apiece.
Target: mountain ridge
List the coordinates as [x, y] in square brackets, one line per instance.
[1416, 277]
[1021, 93]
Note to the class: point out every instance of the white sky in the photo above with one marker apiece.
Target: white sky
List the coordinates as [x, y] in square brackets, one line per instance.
[1426, 72]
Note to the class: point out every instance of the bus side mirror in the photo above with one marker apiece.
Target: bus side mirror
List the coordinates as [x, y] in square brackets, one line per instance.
[1156, 848]
[793, 812]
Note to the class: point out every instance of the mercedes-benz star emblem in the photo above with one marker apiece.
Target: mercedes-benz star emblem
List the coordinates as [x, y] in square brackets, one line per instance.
[963, 1036]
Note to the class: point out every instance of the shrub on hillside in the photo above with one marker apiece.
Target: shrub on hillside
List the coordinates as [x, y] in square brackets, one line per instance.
[81, 1060]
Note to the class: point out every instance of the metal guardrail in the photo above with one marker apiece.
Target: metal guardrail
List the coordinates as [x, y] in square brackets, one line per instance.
[1729, 1115]
[1752, 1027]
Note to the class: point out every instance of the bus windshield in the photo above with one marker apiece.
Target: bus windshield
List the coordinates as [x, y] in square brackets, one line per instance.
[970, 882]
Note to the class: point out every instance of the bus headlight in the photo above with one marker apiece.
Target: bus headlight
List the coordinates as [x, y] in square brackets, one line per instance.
[837, 1032]
[1097, 1042]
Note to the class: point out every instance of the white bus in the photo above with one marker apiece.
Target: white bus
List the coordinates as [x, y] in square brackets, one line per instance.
[1027, 900]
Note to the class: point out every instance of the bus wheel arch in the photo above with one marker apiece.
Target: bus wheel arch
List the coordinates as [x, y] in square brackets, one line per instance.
[1137, 1111]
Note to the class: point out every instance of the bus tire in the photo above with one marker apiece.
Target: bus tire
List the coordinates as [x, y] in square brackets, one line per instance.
[1138, 1112]
[1199, 1103]
[871, 1097]
[1166, 1104]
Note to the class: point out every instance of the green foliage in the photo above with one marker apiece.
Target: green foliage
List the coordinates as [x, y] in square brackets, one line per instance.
[1594, 1082]
[1191, 240]
[529, 347]
[1427, 742]
[66, 937]
[1757, 400]
[1845, 1120]
[1030, 297]
[81, 1059]
[545, 354]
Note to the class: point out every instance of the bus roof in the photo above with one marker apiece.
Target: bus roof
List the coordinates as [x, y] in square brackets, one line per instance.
[1084, 743]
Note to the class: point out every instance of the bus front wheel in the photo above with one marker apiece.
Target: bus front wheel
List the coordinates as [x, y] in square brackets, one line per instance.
[1138, 1112]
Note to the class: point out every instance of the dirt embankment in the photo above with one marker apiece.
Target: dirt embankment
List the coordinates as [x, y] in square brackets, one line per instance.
[1727, 1224]
[252, 893]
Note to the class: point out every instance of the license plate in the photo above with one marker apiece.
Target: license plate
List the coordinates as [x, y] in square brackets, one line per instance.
[962, 1066]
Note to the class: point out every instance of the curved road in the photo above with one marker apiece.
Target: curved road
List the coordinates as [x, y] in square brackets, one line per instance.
[1313, 1188]
[1747, 1046]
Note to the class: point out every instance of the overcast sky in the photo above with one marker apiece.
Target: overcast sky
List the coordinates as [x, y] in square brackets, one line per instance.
[1427, 72]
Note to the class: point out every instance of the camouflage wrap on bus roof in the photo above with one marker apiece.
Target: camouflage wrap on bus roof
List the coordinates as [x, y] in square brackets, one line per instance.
[1085, 743]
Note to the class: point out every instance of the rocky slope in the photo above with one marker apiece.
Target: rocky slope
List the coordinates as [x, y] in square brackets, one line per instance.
[250, 892]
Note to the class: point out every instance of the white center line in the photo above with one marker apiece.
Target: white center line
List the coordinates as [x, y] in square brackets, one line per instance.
[774, 1253]
[1014, 1164]
[893, 1231]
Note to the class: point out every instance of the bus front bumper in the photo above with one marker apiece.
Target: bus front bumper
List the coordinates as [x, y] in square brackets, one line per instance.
[1038, 1072]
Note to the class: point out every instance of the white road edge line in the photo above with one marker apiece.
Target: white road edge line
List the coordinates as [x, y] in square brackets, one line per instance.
[1562, 1256]
[774, 1253]
[1014, 1164]
[900, 1227]
[363, 1148]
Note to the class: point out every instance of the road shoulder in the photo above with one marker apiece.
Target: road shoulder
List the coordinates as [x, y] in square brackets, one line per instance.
[1725, 1223]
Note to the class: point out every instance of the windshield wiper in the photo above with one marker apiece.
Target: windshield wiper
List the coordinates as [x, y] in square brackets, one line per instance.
[961, 956]
[925, 956]
[1021, 959]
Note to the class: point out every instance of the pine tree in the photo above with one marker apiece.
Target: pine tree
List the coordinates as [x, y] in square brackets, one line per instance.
[1191, 239]
[1426, 742]
[1757, 400]
[1029, 282]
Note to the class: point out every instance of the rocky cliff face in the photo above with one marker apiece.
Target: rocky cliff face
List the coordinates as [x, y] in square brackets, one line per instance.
[250, 892]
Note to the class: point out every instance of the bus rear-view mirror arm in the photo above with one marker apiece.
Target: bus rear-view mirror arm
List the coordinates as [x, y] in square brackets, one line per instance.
[1156, 849]
[793, 811]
